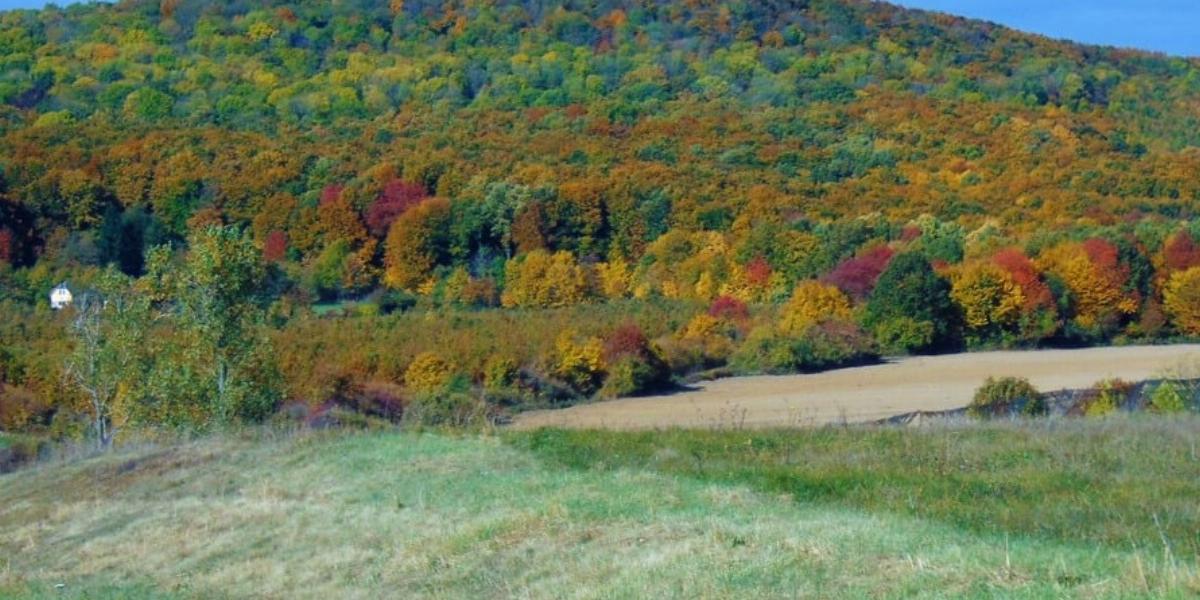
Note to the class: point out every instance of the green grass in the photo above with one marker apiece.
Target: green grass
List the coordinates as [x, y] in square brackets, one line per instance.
[420, 515]
[1125, 482]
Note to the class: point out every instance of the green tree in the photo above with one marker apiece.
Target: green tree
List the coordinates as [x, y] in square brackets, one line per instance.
[910, 290]
[217, 308]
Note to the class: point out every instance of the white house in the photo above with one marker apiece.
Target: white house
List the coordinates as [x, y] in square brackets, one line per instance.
[60, 297]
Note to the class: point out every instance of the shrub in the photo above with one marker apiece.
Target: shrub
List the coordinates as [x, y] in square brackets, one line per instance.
[633, 365]
[16, 450]
[1107, 397]
[377, 399]
[427, 372]
[499, 372]
[1006, 396]
[580, 363]
[452, 406]
[20, 408]
[1169, 397]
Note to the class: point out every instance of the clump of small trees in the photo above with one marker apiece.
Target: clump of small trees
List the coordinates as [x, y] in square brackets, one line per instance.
[183, 346]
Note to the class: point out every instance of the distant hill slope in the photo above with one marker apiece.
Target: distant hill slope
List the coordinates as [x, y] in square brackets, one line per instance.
[621, 119]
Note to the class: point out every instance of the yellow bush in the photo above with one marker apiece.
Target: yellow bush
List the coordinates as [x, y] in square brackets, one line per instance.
[701, 327]
[1181, 296]
[579, 362]
[811, 303]
[428, 372]
[455, 291]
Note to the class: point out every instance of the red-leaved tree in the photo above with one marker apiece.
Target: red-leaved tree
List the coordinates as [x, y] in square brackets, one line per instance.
[857, 276]
[1180, 253]
[1025, 274]
[275, 246]
[396, 198]
[729, 308]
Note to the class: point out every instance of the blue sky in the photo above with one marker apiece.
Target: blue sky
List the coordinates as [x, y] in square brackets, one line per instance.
[1171, 26]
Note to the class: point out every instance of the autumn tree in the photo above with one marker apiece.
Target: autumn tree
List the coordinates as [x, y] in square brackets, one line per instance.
[1181, 297]
[813, 302]
[1096, 281]
[416, 244]
[857, 276]
[989, 298]
[542, 279]
[397, 197]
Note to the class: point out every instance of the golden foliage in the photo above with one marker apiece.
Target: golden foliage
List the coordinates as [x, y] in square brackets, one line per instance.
[987, 295]
[428, 372]
[1096, 289]
[811, 303]
[615, 278]
[541, 279]
[1181, 296]
[579, 361]
[413, 245]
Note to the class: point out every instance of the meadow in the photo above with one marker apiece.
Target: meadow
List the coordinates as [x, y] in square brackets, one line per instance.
[1062, 508]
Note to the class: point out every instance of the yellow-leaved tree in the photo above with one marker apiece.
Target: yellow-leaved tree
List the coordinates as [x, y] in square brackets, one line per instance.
[989, 297]
[1181, 296]
[811, 303]
[1095, 279]
[544, 280]
[579, 361]
[615, 278]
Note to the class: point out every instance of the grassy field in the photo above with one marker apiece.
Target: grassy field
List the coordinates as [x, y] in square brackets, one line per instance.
[828, 513]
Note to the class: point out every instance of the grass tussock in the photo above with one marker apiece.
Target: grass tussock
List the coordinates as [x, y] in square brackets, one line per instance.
[420, 515]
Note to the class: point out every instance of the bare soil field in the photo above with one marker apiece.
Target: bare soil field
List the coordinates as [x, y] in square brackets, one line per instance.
[867, 393]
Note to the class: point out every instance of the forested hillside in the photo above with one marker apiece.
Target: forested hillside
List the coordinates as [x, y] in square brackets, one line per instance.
[730, 180]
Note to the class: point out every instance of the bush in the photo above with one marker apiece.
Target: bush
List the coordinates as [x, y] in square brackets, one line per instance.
[1006, 396]
[16, 450]
[454, 406]
[427, 372]
[633, 366]
[499, 373]
[21, 408]
[377, 399]
[1169, 397]
[1107, 397]
[630, 376]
